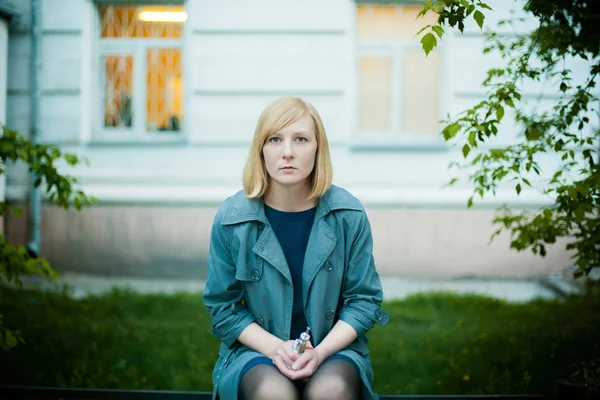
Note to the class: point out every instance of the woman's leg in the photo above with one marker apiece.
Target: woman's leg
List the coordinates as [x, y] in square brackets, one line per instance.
[334, 379]
[266, 382]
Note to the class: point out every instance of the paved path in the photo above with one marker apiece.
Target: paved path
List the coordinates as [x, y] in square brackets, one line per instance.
[515, 291]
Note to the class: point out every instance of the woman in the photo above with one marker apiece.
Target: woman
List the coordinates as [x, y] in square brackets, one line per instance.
[288, 252]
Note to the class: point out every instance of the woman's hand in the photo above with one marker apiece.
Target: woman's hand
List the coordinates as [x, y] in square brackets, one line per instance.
[285, 357]
[304, 365]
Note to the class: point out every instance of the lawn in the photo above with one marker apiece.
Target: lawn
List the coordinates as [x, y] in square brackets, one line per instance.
[435, 343]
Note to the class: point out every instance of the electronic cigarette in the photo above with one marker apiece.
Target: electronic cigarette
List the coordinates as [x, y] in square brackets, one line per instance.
[300, 344]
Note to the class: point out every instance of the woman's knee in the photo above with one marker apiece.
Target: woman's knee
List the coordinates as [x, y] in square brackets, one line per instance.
[281, 391]
[266, 382]
[334, 387]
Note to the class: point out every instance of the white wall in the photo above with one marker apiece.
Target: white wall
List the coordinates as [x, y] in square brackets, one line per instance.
[235, 63]
[18, 97]
[3, 78]
[239, 61]
[239, 55]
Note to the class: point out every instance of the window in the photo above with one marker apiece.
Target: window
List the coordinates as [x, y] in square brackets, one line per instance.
[399, 89]
[140, 66]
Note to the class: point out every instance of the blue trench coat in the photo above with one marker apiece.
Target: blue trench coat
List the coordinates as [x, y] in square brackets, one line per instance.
[249, 281]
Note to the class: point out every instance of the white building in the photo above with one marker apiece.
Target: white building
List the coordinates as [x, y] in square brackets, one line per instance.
[165, 111]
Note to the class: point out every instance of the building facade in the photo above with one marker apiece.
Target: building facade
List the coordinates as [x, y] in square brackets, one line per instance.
[162, 98]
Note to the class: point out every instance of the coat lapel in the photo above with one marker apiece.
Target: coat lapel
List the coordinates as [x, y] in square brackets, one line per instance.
[321, 243]
[268, 248]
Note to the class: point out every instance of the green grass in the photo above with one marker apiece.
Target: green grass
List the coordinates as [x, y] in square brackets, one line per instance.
[434, 343]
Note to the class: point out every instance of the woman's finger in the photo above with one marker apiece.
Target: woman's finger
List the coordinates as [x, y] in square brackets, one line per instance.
[303, 373]
[292, 355]
[282, 367]
[301, 362]
[285, 358]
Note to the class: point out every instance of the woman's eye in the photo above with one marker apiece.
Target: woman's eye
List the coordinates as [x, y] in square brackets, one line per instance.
[301, 139]
[274, 140]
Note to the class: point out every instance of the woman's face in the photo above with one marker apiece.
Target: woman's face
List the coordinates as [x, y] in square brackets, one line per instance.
[290, 153]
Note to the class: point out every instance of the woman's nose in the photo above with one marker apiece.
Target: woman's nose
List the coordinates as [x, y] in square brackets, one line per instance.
[288, 150]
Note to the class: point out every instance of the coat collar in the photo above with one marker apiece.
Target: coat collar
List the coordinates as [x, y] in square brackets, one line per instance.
[242, 209]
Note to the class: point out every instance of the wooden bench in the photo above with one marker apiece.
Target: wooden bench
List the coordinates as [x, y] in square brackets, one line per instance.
[51, 393]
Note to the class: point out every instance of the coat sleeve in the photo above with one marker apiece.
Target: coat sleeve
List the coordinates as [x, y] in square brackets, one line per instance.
[362, 294]
[223, 293]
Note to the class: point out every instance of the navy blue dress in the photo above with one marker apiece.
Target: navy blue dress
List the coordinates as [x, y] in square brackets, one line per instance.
[292, 230]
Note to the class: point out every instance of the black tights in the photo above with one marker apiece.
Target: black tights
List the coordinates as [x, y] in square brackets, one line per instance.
[334, 380]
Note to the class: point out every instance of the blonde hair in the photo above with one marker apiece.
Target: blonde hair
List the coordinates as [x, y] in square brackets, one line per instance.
[279, 114]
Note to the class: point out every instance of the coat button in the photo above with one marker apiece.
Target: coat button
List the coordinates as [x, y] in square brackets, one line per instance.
[329, 314]
[254, 274]
[260, 320]
[379, 315]
[328, 266]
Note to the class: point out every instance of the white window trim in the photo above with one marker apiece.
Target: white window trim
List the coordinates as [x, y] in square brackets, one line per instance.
[137, 48]
[395, 137]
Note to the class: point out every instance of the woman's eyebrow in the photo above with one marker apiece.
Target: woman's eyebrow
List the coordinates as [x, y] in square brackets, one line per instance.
[295, 132]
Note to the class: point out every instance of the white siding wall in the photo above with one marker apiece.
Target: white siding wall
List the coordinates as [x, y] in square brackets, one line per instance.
[243, 54]
[17, 94]
[60, 73]
[240, 55]
[3, 78]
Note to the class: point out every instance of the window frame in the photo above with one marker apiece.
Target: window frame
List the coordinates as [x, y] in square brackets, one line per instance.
[394, 137]
[137, 48]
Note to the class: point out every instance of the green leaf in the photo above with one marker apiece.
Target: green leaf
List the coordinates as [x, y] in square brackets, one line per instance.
[10, 340]
[579, 214]
[483, 5]
[558, 145]
[428, 42]
[71, 159]
[518, 188]
[563, 87]
[470, 202]
[472, 139]
[533, 133]
[499, 113]
[439, 30]
[451, 130]
[465, 150]
[422, 29]
[479, 17]
[556, 175]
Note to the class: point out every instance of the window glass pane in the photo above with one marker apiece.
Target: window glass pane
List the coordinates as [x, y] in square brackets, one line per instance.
[374, 93]
[142, 22]
[391, 22]
[164, 89]
[118, 91]
[410, 24]
[420, 92]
